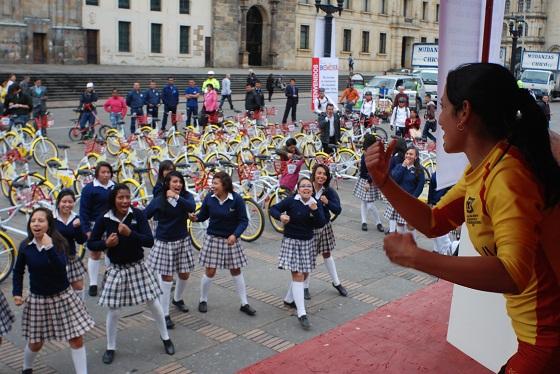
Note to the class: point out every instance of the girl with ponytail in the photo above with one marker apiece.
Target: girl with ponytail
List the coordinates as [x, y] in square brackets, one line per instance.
[509, 199]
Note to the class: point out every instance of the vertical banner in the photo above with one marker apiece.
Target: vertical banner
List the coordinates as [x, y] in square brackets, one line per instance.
[319, 45]
[478, 323]
[324, 74]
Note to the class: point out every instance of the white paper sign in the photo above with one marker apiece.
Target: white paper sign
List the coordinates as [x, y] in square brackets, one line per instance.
[425, 55]
[324, 74]
[540, 60]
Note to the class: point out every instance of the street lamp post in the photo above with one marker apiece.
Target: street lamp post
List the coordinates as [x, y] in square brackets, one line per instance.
[516, 28]
[329, 9]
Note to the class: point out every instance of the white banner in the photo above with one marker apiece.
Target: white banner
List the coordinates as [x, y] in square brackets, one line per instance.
[319, 45]
[540, 60]
[324, 74]
[425, 55]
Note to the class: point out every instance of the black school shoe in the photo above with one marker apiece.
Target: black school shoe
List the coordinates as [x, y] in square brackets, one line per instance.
[169, 347]
[169, 323]
[290, 305]
[92, 291]
[27, 371]
[341, 290]
[203, 307]
[180, 305]
[247, 309]
[364, 226]
[108, 356]
[304, 322]
[306, 294]
[380, 228]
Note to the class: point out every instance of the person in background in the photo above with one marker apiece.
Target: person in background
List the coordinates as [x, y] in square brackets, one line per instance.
[368, 106]
[252, 78]
[329, 124]
[260, 95]
[399, 116]
[165, 167]
[116, 107]
[349, 97]
[3, 93]
[412, 125]
[400, 95]
[321, 102]
[430, 117]
[442, 244]
[211, 80]
[226, 92]
[292, 99]
[210, 103]
[192, 93]
[135, 101]
[270, 86]
[251, 100]
[152, 99]
[170, 99]
[291, 162]
[19, 104]
[88, 98]
[11, 80]
[39, 99]
[545, 106]
[25, 84]
[350, 64]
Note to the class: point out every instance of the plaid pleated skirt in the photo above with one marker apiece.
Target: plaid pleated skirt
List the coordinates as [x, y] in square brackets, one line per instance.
[370, 195]
[216, 253]
[7, 318]
[168, 258]
[75, 269]
[62, 316]
[128, 285]
[297, 255]
[324, 239]
[392, 214]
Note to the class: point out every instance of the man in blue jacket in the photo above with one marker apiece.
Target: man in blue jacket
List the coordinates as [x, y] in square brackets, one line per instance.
[170, 98]
[192, 93]
[152, 99]
[135, 101]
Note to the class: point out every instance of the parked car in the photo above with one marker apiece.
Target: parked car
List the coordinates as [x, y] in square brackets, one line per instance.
[385, 86]
[430, 79]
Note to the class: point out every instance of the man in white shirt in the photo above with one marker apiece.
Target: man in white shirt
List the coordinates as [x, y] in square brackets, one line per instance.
[329, 124]
[321, 102]
[226, 92]
[399, 116]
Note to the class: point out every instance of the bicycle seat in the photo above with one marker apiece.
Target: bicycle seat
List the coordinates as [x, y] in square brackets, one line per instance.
[210, 164]
[141, 170]
[227, 164]
[85, 172]
[63, 146]
[182, 165]
[263, 157]
[54, 164]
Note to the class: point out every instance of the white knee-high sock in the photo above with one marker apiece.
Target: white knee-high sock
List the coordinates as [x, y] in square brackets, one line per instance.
[205, 283]
[392, 225]
[375, 213]
[331, 268]
[241, 289]
[106, 261]
[157, 313]
[81, 294]
[112, 323]
[401, 229]
[413, 232]
[297, 290]
[164, 298]
[306, 281]
[180, 286]
[28, 357]
[363, 211]
[79, 359]
[289, 296]
[93, 271]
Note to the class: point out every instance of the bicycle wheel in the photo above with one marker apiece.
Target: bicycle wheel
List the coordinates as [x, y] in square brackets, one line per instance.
[217, 157]
[7, 174]
[8, 254]
[348, 162]
[153, 165]
[84, 175]
[256, 221]
[113, 144]
[137, 193]
[29, 190]
[380, 133]
[197, 231]
[175, 144]
[309, 150]
[51, 170]
[43, 149]
[75, 134]
[191, 166]
[275, 198]
[103, 131]
[320, 158]
[125, 171]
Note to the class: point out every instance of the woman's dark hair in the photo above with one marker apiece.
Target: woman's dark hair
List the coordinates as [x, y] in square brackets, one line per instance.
[59, 241]
[210, 85]
[301, 180]
[327, 173]
[414, 111]
[226, 180]
[103, 164]
[369, 139]
[167, 182]
[508, 112]
[417, 167]
[113, 195]
[400, 147]
[291, 141]
[63, 193]
[164, 166]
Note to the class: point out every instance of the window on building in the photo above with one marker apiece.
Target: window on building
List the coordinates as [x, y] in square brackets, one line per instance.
[423, 39]
[365, 41]
[382, 43]
[303, 1]
[437, 12]
[367, 5]
[347, 41]
[347, 4]
[436, 40]
[184, 39]
[424, 11]
[155, 37]
[383, 9]
[124, 36]
[304, 37]
[184, 6]
[155, 5]
[124, 4]
[92, 2]
[407, 8]
[507, 6]
[523, 5]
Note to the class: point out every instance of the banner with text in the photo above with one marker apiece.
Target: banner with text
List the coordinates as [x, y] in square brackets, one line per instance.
[324, 74]
[425, 55]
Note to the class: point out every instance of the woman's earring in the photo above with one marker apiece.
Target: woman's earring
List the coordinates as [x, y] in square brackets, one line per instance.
[460, 126]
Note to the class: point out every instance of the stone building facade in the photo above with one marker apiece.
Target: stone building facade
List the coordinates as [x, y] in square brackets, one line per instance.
[42, 31]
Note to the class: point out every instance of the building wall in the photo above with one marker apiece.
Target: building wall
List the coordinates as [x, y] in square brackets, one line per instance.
[106, 16]
[58, 20]
[552, 30]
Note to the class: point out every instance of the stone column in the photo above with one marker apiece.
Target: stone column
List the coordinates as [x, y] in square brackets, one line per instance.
[273, 54]
[243, 54]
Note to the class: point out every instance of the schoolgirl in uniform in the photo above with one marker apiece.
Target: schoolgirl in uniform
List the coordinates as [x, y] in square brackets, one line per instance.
[324, 236]
[127, 280]
[172, 252]
[7, 318]
[68, 224]
[52, 310]
[93, 203]
[165, 167]
[366, 190]
[221, 249]
[300, 214]
[409, 175]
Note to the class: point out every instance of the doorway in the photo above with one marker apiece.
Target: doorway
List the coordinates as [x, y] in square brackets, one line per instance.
[92, 40]
[39, 48]
[406, 52]
[254, 36]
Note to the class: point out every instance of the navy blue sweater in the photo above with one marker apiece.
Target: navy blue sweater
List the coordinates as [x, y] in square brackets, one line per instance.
[363, 169]
[170, 95]
[94, 202]
[172, 221]
[333, 205]
[302, 219]
[129, 249]
[229, 218]
[158, 188]
[47, 270]
[71, 233]
[407, 179]
[135, 99]
[152, 97]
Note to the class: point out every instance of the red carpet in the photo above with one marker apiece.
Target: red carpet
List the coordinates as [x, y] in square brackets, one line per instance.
[404, 336]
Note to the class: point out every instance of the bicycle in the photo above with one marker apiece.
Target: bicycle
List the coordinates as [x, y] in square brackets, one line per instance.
[76, 133]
